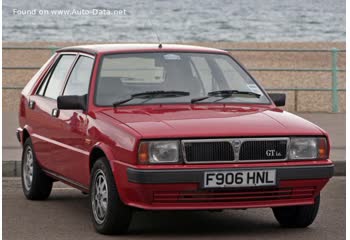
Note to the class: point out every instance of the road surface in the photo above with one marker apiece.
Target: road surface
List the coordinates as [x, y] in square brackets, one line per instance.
[66, 215]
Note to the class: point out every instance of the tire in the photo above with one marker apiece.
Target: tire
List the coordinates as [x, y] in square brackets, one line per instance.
[109, 214]
[35, 183]
[297, 216]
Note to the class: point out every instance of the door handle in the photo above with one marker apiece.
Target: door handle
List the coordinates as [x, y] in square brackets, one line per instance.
[55, 112]
[31, 104]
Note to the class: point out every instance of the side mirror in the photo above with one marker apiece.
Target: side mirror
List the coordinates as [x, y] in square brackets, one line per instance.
[72, 102]
[278, 98]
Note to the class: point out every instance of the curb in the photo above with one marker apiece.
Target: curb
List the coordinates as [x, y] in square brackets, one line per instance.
[13, 168]
[339, 168]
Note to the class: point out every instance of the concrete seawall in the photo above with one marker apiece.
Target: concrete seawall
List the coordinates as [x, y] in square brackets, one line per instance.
[297, 101]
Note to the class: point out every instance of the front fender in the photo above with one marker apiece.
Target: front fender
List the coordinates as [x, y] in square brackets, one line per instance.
[118, 168]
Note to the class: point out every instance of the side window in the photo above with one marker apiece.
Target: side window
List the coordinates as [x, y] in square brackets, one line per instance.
[79, 79]
[54, 81]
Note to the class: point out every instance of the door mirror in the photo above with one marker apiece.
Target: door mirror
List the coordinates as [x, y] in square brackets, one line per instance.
[72, 102]
[278, 98]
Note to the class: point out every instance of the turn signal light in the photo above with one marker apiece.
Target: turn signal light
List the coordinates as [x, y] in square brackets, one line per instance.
[143, 153]
[322, 148]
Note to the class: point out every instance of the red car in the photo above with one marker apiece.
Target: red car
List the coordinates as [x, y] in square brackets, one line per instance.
[167, 127]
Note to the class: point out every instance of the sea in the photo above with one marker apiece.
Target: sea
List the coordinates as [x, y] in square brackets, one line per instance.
[174, 21]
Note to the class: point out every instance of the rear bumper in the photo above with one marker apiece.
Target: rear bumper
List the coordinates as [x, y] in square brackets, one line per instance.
[181, 189]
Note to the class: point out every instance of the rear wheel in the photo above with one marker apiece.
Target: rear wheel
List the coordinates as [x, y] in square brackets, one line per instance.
[297, 216]
[35, 183]
[109, 214]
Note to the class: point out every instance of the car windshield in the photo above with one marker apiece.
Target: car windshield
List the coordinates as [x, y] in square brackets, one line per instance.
[199, 74]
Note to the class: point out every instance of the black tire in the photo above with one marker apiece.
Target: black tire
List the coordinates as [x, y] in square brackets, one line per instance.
[40, 185]
[117, 216]
[297, 216]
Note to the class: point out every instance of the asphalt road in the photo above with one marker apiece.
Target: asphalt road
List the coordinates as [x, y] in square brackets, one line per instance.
[66, 215]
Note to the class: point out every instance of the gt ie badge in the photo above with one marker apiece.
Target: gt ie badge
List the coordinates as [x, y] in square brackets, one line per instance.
[273, 153]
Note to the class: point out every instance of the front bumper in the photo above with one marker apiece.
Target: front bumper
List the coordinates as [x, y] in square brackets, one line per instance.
[196, 175]
[19, 133]
[180, 189]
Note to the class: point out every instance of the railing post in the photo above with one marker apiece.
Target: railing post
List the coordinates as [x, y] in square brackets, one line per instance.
[335, 100]
[53, 50]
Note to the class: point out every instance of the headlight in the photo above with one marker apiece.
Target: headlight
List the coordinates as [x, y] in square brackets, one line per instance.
[159, 152]
[308, 148]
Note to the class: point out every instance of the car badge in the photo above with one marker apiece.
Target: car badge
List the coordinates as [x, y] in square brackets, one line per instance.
[236, 145]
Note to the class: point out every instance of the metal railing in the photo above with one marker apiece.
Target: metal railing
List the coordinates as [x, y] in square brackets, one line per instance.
[333, 70]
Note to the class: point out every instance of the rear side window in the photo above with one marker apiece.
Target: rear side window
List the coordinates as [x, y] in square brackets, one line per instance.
[79, 79]
[54, 80]
[44, 84]
[34, 79]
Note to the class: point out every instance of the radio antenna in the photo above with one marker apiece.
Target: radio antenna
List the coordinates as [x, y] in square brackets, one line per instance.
[155, 32]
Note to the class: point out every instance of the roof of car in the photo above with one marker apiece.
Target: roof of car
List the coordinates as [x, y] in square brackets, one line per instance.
[136, 47]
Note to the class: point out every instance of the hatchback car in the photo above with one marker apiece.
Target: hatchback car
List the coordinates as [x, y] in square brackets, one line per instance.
[167, 127]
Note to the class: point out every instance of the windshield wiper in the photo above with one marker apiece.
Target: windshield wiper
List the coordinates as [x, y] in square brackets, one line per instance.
[225, 94]
[153, 94]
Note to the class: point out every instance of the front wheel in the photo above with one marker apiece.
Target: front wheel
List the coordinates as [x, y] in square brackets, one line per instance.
[109, 214]
[297, 216]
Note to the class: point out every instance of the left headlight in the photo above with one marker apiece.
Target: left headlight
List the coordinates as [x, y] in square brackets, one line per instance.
[151, 152]
[308, 148]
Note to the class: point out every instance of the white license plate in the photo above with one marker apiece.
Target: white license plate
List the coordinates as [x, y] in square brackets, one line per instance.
[239, 178]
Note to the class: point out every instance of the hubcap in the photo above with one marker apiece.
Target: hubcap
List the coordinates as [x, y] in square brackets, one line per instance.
[99, 196]
[28, 168]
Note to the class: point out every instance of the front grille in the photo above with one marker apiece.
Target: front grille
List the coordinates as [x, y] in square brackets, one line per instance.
[209, 151]
[241, 196]
[235, 149]
[263, 150]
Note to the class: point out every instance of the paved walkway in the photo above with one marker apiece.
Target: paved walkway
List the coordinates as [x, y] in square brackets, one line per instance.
[334, 124]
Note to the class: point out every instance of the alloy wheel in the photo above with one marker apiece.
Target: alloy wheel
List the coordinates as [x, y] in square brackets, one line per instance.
[99, 197]
[28, 168]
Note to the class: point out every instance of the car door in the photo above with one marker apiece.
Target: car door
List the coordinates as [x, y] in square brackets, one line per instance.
[72, 131]
[40, 114]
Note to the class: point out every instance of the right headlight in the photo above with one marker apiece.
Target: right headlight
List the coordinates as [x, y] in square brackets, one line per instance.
[308, 148]
[158, 152]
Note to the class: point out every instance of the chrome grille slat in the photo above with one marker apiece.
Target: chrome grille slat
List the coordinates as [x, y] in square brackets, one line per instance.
[235, 150]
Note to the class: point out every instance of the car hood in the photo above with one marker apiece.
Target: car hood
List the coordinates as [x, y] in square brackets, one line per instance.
[166, 121]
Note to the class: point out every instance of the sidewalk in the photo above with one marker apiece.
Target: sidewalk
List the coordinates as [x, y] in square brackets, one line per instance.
[334, 124]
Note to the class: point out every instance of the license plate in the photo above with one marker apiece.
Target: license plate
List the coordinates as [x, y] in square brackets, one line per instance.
[243, 178]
